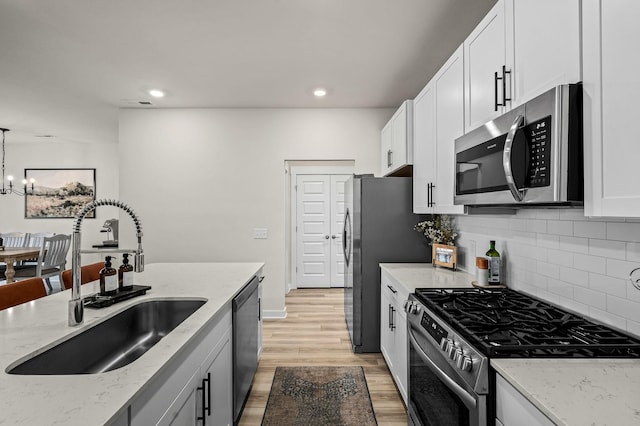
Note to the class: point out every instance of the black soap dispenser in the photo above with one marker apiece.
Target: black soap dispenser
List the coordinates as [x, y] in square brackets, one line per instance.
[108, 279]
[125, 274]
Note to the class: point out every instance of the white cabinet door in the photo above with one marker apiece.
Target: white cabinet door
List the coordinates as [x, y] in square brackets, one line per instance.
[485, 55]
[396, 140]
[513, 409]
[449, 125]
[387, 346]
[182, 411]
[611, 109]
[546, 45]
[393, 330]
[386, 137]
[218, 408]
[402, 369]
[424, 147]
[402, 139]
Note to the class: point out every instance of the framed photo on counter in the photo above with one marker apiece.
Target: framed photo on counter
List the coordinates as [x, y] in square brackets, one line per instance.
[444, 255]
[58, 193]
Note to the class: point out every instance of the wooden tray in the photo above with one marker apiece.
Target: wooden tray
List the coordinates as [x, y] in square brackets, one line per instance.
[475, 284]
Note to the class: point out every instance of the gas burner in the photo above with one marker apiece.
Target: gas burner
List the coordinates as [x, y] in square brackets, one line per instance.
[505, 323]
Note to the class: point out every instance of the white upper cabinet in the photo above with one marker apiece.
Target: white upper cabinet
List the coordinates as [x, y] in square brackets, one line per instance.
[438, 121]
[611, 92]
[546, 45]
[485, 54]
[424, 148]
[519, 50]
[449, 83]
[396, 140]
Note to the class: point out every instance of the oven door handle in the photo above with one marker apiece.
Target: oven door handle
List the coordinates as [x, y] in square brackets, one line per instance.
[518, 194]
[466, 398]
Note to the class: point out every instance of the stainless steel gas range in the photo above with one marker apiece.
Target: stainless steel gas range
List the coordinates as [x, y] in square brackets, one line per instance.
[453, 333]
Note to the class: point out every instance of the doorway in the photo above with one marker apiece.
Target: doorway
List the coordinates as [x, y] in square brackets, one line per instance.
[317, 218]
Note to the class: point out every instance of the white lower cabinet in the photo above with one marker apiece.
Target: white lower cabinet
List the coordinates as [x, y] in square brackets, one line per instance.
[513, 409]
[393, 330]
[176, 396]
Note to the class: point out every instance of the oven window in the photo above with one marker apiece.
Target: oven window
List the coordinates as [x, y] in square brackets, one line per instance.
[432, 401]
[479, 169]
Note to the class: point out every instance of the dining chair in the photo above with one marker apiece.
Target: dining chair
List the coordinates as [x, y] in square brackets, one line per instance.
[14, 239]
[35, 239]
[51, 260]
[21, 292]
[88, 273]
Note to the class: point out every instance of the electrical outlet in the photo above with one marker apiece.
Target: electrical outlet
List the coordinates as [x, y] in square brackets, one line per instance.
[259, 233]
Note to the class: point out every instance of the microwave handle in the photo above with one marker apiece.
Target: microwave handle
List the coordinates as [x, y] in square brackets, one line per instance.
[518, 194]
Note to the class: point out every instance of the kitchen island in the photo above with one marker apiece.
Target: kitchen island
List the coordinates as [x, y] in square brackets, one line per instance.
[107, 398]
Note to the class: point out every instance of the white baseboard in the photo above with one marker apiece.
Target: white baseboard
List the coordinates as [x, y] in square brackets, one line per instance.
[276, 314]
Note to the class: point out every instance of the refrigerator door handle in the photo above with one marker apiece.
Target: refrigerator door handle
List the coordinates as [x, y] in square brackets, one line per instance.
[346, 237]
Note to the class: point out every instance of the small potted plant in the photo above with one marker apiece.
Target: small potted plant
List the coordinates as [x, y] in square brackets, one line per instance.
[440, 232]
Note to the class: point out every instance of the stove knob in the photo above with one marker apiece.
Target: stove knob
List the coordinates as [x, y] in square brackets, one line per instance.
[443, 344]
[457, 355]
[459, 358]
[405, 306]
[448, 345]
[467, 363]
[452, 350]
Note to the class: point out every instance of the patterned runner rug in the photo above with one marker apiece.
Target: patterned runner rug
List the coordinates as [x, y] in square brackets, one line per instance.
[319, 396]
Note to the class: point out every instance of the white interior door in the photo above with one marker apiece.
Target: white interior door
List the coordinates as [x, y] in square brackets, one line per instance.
[337, 225]
[319, 221]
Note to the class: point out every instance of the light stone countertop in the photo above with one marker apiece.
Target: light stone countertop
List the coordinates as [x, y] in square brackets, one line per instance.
[100, 398]
[424, 275]
[594, 392]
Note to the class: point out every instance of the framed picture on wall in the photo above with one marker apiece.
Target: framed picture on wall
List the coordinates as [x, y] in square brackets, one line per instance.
[59, 193]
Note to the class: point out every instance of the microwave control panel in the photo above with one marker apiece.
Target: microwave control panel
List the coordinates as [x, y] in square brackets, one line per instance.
[538, 135]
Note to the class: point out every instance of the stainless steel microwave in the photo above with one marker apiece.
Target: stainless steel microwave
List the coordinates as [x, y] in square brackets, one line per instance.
[531, 155]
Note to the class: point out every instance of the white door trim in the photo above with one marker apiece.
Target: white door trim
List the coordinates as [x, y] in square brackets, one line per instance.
[306, 170]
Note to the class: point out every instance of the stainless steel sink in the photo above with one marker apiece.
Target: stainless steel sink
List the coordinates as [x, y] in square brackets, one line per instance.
[113, 343]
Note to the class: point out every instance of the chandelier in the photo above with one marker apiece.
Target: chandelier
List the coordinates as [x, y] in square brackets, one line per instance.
[11, 189]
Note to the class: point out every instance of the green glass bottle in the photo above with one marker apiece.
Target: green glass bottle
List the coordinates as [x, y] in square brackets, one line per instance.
[494, 263]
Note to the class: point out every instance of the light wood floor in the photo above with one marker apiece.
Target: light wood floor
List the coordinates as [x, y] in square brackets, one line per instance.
[315, 333]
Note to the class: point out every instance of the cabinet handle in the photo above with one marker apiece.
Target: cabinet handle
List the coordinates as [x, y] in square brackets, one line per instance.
[206, 399]
[259, 309]
[393, 290]
[430, 202]
[392, 324]
[389, 158]
[495, 91]
[504, 87]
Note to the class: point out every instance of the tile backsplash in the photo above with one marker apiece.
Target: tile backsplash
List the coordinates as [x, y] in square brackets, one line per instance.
[582, 264]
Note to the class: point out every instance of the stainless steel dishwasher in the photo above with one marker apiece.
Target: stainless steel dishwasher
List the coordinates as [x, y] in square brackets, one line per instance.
[246, 323]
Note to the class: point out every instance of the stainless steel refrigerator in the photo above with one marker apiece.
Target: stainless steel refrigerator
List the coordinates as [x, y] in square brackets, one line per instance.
[378, 228]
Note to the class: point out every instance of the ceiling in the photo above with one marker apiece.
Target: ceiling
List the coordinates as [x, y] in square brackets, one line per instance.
[67, 66]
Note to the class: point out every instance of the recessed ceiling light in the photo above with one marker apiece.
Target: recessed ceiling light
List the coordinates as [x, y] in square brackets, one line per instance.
[319, 92]
[156, 93]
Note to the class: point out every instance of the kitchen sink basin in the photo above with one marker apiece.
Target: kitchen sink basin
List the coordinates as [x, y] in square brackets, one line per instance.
[115, 342]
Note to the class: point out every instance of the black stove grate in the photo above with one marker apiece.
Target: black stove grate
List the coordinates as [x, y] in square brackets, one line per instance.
[504, 323]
